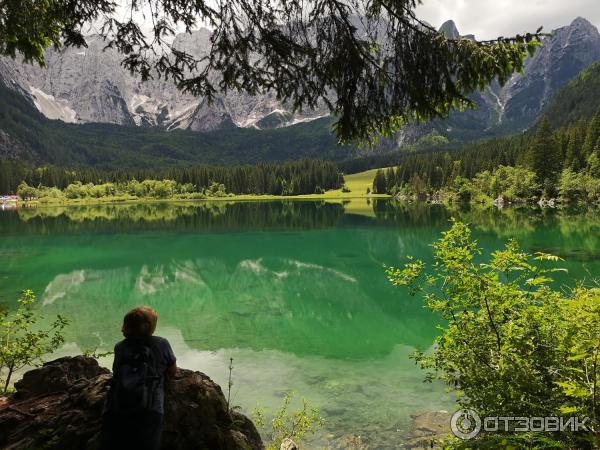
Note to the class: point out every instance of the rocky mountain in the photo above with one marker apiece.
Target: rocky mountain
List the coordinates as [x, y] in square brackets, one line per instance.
[564, 54]
[519, 103]
[27, 135]
[89, 86]
[449, 29]
[576, 101]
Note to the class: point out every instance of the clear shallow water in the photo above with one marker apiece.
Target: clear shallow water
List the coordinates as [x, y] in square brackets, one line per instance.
[293, 291]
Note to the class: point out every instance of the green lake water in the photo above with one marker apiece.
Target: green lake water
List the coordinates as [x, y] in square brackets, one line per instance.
[294, 292]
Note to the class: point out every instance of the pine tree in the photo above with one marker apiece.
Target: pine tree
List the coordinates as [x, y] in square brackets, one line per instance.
[379, 183]
[592, 135]
[543, 157]
[574, 158]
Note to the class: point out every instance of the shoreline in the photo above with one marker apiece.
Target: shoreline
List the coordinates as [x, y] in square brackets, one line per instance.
[234, 198]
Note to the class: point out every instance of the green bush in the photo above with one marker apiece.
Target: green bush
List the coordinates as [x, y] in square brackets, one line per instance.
[514, 344]
[22, 342]
[25, 191]
[294, 425]
[578, 186]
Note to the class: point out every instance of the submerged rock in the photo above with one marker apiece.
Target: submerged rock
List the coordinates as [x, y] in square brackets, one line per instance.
[59, 405]
[428, 428]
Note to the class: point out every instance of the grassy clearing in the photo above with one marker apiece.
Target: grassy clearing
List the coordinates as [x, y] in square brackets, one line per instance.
[359, 182]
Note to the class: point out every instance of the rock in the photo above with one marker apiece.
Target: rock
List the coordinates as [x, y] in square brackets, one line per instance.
[288, 444]
[550, 203]
[436, 199]
[57, 376]
[351, 442]
[59, 406]
[428, 428]
[499, 202]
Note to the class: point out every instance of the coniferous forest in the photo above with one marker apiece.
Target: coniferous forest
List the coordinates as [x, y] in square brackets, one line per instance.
[543, 163]
[293, 178]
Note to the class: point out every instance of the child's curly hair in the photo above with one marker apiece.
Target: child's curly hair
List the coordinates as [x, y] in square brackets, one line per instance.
[139, 322]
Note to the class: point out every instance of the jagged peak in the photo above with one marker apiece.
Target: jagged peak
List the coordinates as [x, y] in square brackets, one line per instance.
[581, 21]
[450, 30]
[578, 25]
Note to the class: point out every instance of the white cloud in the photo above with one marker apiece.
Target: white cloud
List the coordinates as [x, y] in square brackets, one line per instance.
[488, 19]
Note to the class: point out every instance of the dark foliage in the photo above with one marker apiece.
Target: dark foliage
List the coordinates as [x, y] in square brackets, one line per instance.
[576, 101]
[294, 178]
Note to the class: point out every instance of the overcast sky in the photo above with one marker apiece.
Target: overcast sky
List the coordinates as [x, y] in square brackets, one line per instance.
[488, 19]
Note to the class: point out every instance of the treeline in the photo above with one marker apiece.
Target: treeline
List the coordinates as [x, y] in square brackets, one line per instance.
[434, 162]
[544, 163]
[293, 178]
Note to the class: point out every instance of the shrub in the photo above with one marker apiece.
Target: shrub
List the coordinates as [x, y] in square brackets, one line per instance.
[578, 186]
[216, 190]
[25, 191]
[513, 346]
[295, 425]
[22, 342]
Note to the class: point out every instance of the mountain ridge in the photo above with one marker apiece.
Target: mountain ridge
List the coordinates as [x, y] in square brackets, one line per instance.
[83, 85]
[211, 134]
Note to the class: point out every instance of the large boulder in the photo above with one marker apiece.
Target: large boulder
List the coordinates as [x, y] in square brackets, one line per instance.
[59, 406]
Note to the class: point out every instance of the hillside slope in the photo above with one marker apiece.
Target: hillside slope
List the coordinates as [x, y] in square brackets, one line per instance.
[579, 99]
[27, 135]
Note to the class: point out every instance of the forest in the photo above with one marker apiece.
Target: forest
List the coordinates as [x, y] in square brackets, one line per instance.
[543, 163]
[294, 178]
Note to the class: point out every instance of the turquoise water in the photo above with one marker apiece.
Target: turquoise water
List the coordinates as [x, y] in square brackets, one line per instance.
[294, 292]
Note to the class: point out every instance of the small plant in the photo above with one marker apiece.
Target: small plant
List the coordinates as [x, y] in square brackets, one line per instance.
[286, 424]
[346, 189]
[21, 342]
[229, 383]
[319, 190]
[96, 354]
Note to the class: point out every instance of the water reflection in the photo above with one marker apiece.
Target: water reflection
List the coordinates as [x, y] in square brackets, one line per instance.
[221, 215]
[281, 304]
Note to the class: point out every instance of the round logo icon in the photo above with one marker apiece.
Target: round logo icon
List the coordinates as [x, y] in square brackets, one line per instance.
[465, 424]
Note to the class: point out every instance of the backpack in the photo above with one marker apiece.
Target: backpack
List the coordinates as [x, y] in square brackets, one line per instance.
[135, 383]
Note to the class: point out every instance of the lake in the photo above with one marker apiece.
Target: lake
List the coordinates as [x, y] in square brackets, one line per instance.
[293, 291]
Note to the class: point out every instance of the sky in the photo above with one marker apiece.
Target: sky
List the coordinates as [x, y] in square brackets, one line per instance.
[489, 19]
